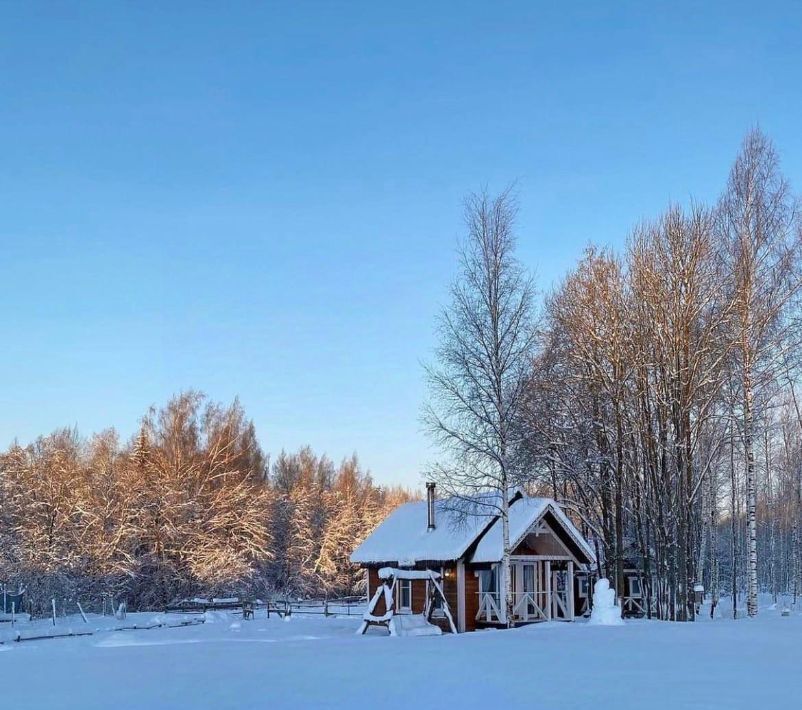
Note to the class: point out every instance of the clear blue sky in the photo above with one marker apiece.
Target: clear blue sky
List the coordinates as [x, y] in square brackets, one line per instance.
[264, 201]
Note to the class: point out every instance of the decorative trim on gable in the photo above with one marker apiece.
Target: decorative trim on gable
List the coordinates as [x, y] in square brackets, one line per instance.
[540, 525]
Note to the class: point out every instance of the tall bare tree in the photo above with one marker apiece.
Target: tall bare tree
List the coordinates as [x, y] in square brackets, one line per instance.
[592, 311]
[758, 217]
[487, 339]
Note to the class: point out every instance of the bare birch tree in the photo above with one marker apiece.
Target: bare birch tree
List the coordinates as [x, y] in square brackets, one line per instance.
[758, 216]
[477, 386]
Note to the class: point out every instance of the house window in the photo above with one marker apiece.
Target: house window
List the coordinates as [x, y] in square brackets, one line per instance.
[635, 589]
[488, 581]
[583, 587]
[404, 595]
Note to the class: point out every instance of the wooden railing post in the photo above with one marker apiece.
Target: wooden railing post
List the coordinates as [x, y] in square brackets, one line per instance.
[548, 589]
[570, 589]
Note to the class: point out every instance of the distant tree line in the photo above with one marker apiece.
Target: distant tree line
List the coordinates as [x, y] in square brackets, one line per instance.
[656, 394]
[189, 507]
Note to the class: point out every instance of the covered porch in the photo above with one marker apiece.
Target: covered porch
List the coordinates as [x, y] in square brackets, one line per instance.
[546, 556]
[542, 590]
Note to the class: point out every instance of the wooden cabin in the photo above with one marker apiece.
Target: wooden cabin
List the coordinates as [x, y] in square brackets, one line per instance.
[463, 543]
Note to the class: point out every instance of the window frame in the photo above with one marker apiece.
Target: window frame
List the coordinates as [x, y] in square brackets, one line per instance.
[400, 603]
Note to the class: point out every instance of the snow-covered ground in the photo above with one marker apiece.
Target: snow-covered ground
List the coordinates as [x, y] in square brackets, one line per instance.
[311, 661]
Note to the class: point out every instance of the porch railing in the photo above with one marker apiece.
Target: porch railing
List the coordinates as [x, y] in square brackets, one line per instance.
[530, 606]
[526, 606]
[489, 607]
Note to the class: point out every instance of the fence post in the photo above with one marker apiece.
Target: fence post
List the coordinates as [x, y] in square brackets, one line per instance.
[53, 602]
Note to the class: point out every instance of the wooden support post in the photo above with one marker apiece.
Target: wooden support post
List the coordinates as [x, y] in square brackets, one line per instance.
[570, 590]
[461, 596]
[446, 610]
[548, 590]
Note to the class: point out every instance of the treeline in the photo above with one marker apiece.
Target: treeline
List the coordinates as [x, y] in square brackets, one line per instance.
[189, 507]
[664, 405]
[656, 394]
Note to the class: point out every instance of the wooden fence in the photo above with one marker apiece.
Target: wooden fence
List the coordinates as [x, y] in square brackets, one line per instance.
[345, 606]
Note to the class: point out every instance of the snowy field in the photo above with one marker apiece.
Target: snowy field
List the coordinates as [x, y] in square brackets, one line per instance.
[311, 661]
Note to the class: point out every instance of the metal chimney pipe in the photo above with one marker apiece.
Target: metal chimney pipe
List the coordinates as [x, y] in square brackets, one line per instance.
[430, 505]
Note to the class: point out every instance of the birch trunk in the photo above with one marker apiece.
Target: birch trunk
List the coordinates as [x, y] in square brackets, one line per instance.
[773, 576]
[506, 572]
[733, 524]
[751, 495]
[713, 544]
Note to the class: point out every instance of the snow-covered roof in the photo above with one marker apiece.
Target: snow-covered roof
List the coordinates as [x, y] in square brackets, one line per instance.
[403, 536]
[524, 514]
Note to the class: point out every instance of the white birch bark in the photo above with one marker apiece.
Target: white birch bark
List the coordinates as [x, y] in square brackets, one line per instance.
[751, 497]
[506, 571]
